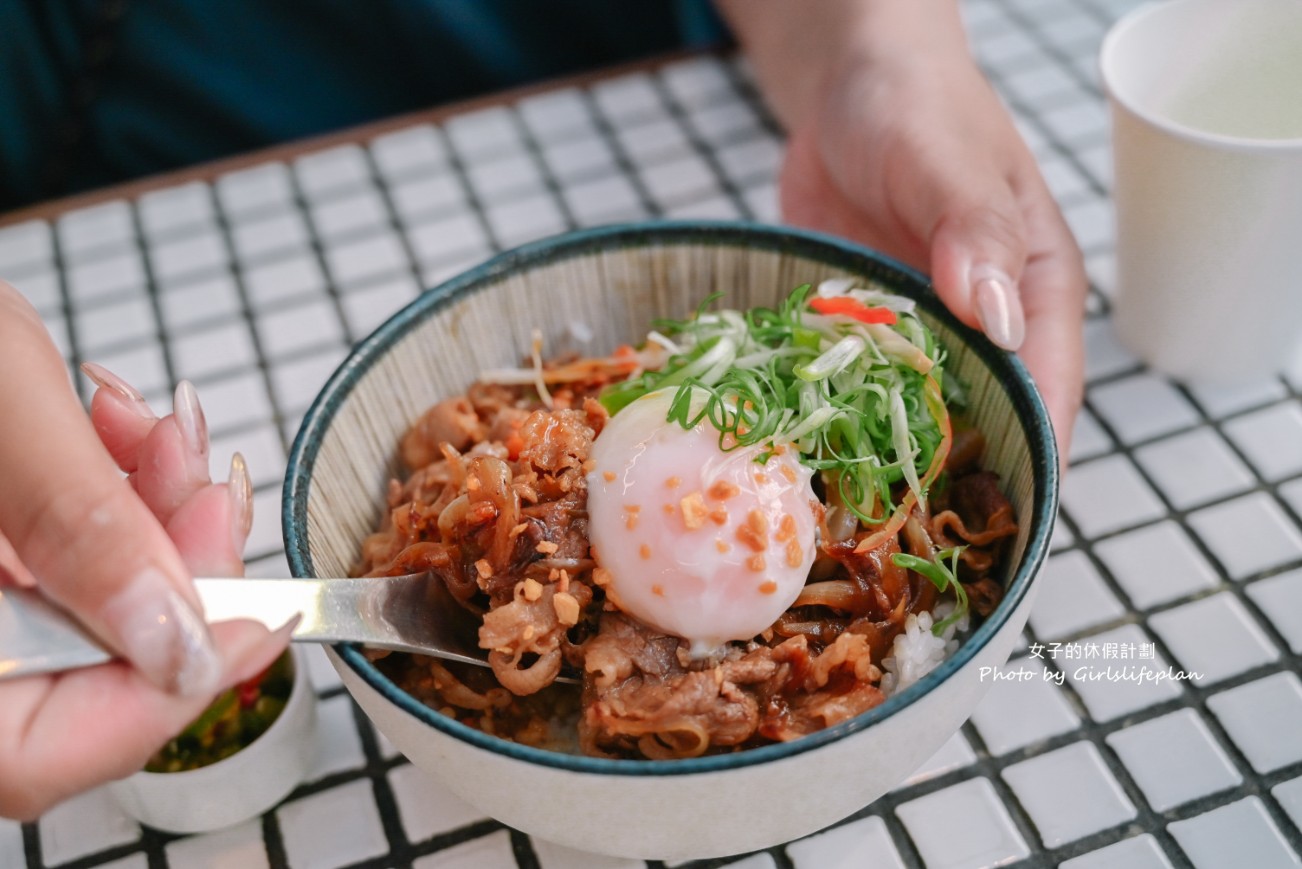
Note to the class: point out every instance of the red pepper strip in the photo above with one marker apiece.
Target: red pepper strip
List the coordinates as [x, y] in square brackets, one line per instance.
[249, 694]
[935, 404]
[250, 690]
[852, 308]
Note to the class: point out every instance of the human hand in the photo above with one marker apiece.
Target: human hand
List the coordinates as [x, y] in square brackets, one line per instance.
[117, 553]
[896, 140]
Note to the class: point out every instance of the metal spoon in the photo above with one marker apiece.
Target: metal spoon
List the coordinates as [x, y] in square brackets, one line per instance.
[411, 613]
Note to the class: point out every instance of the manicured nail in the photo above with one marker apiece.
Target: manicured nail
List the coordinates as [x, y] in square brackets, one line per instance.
[253, 660]
[190, 420]
[163, 636]
[130, 396]
[998, 307]
[240, 491]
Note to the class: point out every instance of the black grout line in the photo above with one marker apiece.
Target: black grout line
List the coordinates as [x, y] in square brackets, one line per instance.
[66, 309]
[156, 859]
[1181, 515]
[107, 855]
[522, 850]
[457, 164]
[703, 149]
[395, 224]
[903, 842]
[444, 841]
[533, 149]
[273, 841]
[1193, 696]
[314, 242]
[1030, 114]
[377, 769]
[247, 309]
[1085, 544]
[780, 858]
[31, 838]
[1061, 57]
[1095, 733]
[1099, 13]
[153, 285]
[32, 845]
[624, 162]
[317, 246]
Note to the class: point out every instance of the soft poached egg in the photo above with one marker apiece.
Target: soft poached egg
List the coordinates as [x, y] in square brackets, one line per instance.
[697, 542]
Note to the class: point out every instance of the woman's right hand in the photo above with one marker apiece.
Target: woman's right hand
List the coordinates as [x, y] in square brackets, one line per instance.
[109, 516]
[896, 140]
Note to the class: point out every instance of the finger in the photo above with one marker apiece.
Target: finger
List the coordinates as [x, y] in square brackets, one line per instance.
[1053, 289]
[810, 197]
[1054, 373]
[173, 463]
[964, 227]
[168, 458]
[75, 523]
[12, 571]
[978, 252]
[211, 527]
[120, 414]
[62, 735]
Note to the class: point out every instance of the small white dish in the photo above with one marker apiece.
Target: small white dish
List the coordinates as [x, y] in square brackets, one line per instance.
[237, 788]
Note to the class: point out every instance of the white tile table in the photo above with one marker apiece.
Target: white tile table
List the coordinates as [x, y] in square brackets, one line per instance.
[1180, 536]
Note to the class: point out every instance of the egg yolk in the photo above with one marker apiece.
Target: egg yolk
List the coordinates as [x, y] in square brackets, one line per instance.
[701, 543]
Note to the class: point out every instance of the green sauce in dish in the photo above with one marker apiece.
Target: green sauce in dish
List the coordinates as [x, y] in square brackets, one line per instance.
[233, 721]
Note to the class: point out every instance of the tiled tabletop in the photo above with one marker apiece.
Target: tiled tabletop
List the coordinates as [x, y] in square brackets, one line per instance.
[1179, 542]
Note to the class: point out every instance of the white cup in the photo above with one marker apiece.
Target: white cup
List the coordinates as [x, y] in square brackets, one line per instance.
[1206, 105]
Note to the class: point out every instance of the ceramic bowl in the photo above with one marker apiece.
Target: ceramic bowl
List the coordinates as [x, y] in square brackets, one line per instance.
[609, 284]
[237, 788]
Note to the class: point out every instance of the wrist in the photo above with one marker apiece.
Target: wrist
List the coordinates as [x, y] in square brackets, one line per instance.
[801, 53]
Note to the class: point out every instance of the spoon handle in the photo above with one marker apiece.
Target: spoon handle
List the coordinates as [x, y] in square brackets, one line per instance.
[36, 636]
[410, 613]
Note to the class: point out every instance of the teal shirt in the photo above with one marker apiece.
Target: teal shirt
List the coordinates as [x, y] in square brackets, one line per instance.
[98, 91]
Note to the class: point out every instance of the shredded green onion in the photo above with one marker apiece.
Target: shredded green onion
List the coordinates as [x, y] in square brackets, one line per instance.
[943, 576]
[862, 402]
[849, 396]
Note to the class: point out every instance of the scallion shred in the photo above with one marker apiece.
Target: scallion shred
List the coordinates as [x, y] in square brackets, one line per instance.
[942, 575]
[849, 396]
[861, 398]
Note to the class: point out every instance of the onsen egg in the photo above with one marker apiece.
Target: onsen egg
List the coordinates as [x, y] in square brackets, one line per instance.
[701, 543]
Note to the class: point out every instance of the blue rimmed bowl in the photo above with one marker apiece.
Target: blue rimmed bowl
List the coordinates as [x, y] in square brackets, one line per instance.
[604, 287]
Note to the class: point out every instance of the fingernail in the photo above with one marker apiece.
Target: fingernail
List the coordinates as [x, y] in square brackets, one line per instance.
[240, 491]
[253, 660]
[131, 397]
[190, 419]
[163, 636]
[998, 307]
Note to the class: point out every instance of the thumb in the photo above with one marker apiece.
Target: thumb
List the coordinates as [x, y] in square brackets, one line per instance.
[978, 253]
[77, 526]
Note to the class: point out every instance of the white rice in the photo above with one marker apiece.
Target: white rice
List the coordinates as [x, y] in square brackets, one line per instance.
[917, 650]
